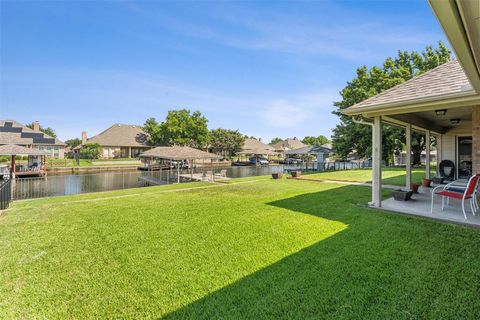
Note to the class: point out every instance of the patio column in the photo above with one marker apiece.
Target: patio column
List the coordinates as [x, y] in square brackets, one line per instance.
[13, 166]
[408, 167]
[377, 162]
[476, 140]
[178, 171]
[439, 152]
[427, 154]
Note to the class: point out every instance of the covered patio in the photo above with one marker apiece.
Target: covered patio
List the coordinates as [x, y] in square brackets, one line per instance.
[419, 205]
[442, 104]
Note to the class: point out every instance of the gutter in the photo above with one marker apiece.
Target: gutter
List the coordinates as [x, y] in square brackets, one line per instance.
[361, 121]
[462, 99]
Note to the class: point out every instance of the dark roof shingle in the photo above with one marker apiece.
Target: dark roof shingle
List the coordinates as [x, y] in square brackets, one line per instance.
[13, 132]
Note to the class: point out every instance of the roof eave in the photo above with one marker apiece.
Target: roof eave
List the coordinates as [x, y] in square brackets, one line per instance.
[457, 21]
[423, 104]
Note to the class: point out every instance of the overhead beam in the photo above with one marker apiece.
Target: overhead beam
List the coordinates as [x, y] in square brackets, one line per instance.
[403, 124]
[418, 122]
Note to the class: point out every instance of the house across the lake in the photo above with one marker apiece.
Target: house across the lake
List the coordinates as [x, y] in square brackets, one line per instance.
[288, 144]
[118, 141]
[13, 132]
[443, 102]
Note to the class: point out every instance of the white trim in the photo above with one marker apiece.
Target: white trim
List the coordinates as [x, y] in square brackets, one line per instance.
[415, 105]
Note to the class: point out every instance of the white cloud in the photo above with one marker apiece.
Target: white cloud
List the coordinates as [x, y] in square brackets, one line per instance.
[290, 113]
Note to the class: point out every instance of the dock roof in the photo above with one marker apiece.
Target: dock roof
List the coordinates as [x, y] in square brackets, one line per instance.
[178, 153]
[16, 150]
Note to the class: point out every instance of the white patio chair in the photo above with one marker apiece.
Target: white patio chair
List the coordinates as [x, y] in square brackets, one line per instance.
[451, 190]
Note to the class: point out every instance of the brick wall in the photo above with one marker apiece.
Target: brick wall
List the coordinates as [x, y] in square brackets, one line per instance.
[476, 139]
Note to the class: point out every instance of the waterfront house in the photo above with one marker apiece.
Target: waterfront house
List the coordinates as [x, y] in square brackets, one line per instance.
[118, 141]
[443, 102]
[252, 144]
[288, 144]
[13, 132]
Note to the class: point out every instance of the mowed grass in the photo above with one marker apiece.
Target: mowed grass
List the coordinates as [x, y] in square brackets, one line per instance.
[254, 248]
[390, 176]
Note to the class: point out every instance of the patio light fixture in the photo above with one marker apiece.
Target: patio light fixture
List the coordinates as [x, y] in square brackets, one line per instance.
[455, 121]
[441, 112]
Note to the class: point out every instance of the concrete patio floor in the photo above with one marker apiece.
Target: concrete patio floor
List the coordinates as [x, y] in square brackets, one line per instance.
[420, 204]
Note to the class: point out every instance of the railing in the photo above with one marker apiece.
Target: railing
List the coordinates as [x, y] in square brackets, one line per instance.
[5, 194]
[347, 165]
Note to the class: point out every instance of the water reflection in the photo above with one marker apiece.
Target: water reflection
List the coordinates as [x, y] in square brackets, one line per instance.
[59, 185]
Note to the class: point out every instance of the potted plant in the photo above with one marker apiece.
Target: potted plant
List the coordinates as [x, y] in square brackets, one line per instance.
[296, 173]
[426, 182]
[402, 195]
[277, 175]
[414, 187]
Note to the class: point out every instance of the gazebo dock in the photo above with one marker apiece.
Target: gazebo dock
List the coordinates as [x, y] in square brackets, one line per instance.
[35, 167]
[174, 158]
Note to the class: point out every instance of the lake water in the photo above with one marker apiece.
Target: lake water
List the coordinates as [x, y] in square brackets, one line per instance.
[58, 185]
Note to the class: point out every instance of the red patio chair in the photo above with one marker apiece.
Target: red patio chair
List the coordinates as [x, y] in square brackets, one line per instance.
[468, 194]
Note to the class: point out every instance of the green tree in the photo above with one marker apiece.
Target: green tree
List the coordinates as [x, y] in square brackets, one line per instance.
[90, 151]
[226, 142]
[152, 128]
[276, 140]
[349, 136]
[48, 131]
[315, 141]
[72, 143]
[181, 127]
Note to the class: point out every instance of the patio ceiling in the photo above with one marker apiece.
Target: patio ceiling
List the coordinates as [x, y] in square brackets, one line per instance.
[437, 123]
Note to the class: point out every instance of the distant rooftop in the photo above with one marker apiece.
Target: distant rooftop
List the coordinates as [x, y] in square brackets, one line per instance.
[121, 135]
[289, 143]
[13, 132]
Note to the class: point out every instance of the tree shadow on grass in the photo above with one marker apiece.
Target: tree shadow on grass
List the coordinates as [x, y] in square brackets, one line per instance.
[381, 266]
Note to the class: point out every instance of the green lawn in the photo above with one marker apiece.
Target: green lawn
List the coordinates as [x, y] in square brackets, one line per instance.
[391, 176]
[252, 249]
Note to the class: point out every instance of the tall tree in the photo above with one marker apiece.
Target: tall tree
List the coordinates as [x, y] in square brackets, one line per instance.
[315, 141]
[181, 127]
[276, 140]
[349, 136]
[226, 142]
[48, 131]
[152, 128]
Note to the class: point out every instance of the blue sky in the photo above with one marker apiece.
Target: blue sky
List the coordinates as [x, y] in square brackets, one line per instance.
[266, 68]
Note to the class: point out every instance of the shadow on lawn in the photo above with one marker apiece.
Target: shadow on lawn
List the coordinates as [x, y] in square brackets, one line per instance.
[381, 266]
